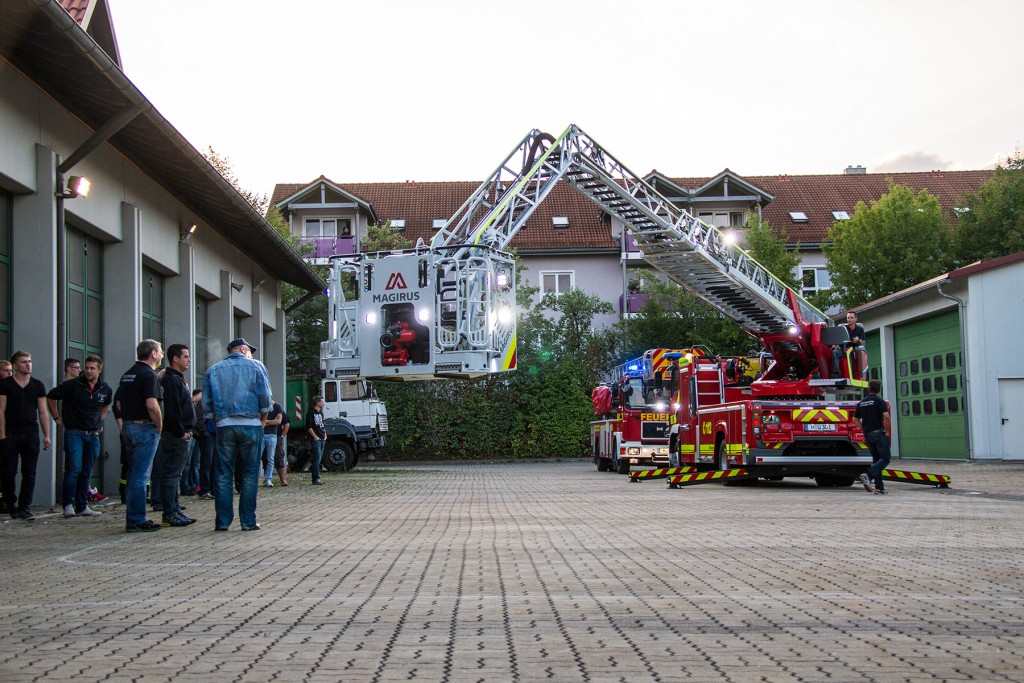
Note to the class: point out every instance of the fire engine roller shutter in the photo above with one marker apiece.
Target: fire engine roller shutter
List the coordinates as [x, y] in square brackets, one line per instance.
[873, 347]
[929, 386]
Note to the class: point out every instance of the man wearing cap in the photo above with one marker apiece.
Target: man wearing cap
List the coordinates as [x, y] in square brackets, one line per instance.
[236, 394]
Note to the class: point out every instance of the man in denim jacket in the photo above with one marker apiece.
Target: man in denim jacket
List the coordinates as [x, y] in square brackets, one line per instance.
[236, 394]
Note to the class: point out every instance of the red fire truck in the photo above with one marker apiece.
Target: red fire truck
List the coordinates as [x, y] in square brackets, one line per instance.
[633, 413]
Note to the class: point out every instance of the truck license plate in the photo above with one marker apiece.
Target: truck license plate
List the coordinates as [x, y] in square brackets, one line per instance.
[820, 427]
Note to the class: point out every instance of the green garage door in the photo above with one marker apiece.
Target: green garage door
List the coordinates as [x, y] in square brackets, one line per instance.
[929, 382]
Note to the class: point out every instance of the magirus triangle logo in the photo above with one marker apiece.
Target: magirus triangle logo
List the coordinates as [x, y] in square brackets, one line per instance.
[396, 281]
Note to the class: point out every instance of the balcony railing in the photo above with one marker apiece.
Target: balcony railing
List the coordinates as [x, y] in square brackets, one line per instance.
[325, 247]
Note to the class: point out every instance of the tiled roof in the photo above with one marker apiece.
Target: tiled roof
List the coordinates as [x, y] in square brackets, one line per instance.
[819, 195]
[76, 8]
[815, 195]
[420, 203]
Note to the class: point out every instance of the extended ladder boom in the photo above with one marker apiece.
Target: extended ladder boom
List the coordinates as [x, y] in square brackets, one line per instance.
[689, 252]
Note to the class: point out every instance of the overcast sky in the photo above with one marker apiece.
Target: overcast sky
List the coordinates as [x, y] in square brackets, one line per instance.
[390, 90]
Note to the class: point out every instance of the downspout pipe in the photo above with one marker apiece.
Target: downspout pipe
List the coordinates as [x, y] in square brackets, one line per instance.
[961, 312]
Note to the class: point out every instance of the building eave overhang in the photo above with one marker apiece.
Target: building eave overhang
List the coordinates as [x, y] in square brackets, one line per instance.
[42, 41]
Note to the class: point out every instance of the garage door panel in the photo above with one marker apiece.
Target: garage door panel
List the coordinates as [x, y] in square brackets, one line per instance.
[929, 383]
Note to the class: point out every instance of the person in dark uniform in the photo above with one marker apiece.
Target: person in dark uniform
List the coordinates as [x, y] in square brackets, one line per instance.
[139, 396]
[856, 331]
[872, 416]
[176, 438]
[84, 402]
[22, 413]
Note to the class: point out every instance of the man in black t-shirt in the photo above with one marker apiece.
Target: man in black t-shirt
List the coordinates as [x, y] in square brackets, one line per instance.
[22, 413]
[271, 433]
[856, 332]
[317, 433]
[139, 395]
[872, 416]
[84, 402]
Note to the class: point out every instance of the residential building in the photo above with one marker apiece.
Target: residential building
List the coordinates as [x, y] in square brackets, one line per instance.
[162, 247]
[569, 242]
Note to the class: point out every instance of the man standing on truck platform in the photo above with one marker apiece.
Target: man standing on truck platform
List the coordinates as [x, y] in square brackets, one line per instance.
[872, 416]
[317, 435]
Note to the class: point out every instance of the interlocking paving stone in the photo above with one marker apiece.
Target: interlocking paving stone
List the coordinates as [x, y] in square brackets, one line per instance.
[532, 571]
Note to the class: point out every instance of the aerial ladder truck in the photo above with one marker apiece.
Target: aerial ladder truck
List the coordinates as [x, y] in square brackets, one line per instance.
[447, 310]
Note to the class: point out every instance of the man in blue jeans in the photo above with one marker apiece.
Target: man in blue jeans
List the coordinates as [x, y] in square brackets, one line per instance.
[236, 394]
[139, 398]
[85, 400]
[317, 437]
[872, 416]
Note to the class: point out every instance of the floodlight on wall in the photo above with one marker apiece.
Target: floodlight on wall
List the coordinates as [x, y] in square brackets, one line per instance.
[258, 283]
[237, 286]
[186, 235]
[78, 186]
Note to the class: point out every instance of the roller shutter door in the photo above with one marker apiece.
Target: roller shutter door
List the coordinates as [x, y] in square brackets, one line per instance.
[929, 384]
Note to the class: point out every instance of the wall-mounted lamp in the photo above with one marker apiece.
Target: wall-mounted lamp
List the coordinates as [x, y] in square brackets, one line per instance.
[78, 186]
[237, 286]
[186, 235]
[257, 283]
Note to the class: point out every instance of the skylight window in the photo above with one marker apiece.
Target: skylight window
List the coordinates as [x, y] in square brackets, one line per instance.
[841, 215]
[560, 221]
[398, 223]
[439, 223]
[798, 216]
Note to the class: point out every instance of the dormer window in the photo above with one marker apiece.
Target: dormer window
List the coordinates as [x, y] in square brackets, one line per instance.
[798, 216]
[560, 221]
[841, 215]
[439, 223]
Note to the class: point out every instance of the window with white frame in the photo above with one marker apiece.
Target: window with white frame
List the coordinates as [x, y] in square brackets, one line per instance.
[723, 219]
[327, 227]
[557, 282]
[814, 279]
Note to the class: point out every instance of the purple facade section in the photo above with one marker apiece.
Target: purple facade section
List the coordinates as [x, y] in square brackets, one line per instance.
[636, 302]
[325, 247]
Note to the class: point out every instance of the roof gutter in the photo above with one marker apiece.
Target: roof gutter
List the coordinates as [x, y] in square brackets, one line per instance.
[59, 16]
[961, 308]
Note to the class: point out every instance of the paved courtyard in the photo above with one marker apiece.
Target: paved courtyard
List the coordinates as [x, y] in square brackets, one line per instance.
[532, 572]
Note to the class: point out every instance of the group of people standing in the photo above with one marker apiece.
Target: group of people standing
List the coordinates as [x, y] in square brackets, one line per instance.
[212, 439]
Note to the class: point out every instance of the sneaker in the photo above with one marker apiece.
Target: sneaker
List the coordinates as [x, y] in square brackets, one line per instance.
[180, 520]
[254, 527]
[96, 498]
[142, 526]
[268, 484]
[881, 492]
[87, 512]
[866, 481]
[22, 514]
[317, 482]
[205, 496]
[69, 511]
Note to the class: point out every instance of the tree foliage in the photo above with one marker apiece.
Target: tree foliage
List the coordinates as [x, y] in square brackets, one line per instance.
[542, 409]
[993, 224]
[674, 318]
[899, 240]
[767, 244]
[224, 167]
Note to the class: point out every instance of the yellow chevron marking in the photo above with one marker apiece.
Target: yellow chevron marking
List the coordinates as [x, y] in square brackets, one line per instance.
[664, 472]
[820, 415]
[918, 477]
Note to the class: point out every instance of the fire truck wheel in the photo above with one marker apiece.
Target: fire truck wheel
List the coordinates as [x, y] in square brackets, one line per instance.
[722, 453]
[602, 463]
[622, 466]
